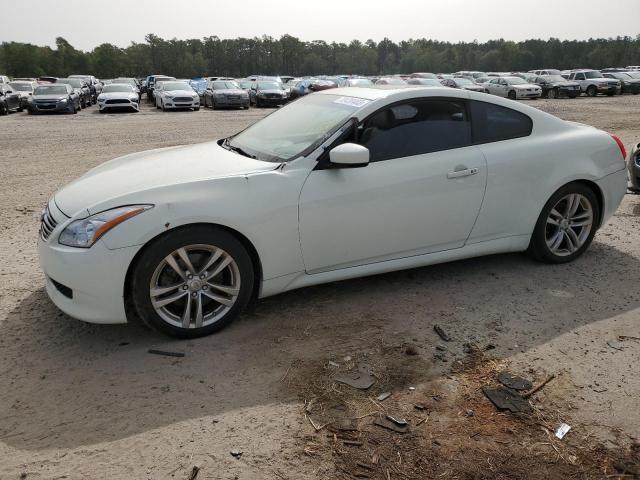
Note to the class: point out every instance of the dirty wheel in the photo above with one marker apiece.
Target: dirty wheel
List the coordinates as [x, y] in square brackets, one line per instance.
[192, 282]
[512, 95]
[566, 225]
[592, 91]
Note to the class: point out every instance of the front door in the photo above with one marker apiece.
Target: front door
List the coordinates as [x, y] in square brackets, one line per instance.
[420, 193]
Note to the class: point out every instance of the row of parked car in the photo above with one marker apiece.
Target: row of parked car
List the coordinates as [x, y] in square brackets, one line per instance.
[71, 94]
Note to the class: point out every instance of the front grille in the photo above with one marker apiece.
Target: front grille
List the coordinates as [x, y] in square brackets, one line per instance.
[46, 106]
[118, 100]
[272, 95]
[47, 224]
[182, 99]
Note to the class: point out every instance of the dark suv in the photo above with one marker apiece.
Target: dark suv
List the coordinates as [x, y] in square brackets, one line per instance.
[9, 100]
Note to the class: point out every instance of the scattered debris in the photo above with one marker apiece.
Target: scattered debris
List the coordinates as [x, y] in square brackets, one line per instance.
[419, 406]
[166, 353]
[441, 333]
[194, 473]
[412, 389]
[357, 379]
[615, 344]
[627, 337]
[489, 346]
[333, 364]
[539, 387]
[469, 413]
[122, 344]
[236, 453]
[514, 382]
[384, 422]
[347, 358]
[562, 430]
[398, 421]
[411, 349]
[383, 396]
[352, 443]
[506, 399]
[441, 348]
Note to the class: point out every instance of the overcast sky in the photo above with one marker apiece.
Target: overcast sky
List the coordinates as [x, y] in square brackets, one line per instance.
[86, 24]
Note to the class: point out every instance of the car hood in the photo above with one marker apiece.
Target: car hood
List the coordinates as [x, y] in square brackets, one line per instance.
[230, 91]
[281, 92]
[56, 97]
[188, 93]
[563, 84]
[118, 95]
[151, 169]
[525, 85]
[475, 88]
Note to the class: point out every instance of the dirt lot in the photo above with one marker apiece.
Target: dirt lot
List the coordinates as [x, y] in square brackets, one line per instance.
[81, 401]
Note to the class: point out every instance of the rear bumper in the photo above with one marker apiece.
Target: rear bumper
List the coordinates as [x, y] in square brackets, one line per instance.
[613, 188]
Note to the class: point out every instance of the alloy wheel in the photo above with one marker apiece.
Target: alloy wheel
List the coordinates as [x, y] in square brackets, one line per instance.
[569, 224]
[195, 286]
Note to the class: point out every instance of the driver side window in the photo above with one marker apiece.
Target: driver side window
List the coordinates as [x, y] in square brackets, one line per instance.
[416, 128]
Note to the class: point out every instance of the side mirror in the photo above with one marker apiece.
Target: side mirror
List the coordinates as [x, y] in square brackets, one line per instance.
[349, 155]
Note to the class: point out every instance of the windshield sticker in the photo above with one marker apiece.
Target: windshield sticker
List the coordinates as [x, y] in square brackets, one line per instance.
[352, 101]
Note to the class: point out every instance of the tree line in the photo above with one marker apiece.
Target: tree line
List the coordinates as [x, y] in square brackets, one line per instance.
[240, 57]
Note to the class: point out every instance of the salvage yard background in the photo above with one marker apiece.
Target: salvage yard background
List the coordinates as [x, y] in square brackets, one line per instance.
[89, 401]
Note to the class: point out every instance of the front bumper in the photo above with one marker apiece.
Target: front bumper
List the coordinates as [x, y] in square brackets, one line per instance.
[49, 107]
[115, 104]
[231, 101]
[633, 166]
[631, 88]
[527, 94]
[86, 283]
[607, 90]
[172, 104]
[274, 102]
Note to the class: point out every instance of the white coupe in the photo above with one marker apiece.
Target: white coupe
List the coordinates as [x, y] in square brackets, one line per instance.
[338, 184]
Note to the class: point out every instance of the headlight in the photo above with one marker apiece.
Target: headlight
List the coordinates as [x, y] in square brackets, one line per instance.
[260, 94]
[84, 233]
[63, 100]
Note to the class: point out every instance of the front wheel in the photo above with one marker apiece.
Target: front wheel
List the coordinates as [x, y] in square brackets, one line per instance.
[192, 282]
[566, 225]
[512, 95]
[553, 93]
[592, 91]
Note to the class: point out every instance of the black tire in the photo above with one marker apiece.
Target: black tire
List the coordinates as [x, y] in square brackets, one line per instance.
[213, 104]
[512, 95]
[3, 109]
[592, 91]
[162, 107]
[196, 109]
[154, 253]
[552, 93]
[538, 247]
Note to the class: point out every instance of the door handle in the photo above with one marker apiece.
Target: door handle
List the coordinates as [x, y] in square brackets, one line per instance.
[462, 173]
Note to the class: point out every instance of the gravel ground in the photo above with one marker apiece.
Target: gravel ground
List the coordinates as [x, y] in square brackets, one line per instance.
[82, 401]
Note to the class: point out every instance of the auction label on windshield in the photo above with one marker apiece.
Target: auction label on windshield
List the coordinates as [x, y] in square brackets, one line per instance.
[352, 101]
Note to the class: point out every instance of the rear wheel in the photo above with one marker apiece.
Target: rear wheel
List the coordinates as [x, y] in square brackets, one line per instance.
[512, 95]
[566, 225]
[192, 282]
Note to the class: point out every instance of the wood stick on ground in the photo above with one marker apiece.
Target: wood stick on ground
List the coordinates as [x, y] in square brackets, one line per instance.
[539, 387]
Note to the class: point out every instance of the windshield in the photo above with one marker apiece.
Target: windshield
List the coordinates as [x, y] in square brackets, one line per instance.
[74, 82]
[117, 88]
[245, 84]
[130, 81]
[392, 81]
[424, 81]
[462, 81]
[620, 76]
[360, 82]
[176, 86]
[163, 79]
[269, 86]
[593, 75]
[634, 74]
[305, 123]
[225, 85]
[22, 87]
[51, 90]
[554, 78]
[515, 81]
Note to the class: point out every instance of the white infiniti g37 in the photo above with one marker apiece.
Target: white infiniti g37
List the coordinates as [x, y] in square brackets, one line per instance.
[338, 184]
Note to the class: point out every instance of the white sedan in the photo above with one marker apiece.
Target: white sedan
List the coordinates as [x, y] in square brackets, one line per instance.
[116, 96]
[176, 94]
[339, 184]
[514, 88]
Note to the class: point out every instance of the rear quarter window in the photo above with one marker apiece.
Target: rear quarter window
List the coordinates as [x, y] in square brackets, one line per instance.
[494, 123]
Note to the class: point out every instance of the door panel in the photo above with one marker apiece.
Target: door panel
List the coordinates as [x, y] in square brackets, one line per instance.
[390, 209]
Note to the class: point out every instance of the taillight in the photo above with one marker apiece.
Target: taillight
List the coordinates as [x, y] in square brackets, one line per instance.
[623, 151]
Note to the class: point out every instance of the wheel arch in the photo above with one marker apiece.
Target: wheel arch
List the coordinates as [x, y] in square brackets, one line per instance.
[595, 188]
[246, 243]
